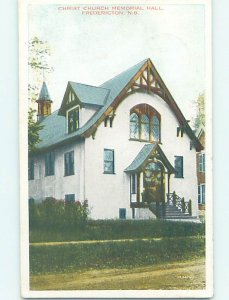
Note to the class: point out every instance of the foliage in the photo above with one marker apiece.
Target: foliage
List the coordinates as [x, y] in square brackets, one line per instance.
[116, 229]
[39, 56]
[126, 254]
[33, 131]
[57, 214]
[38, 61]
[200, 114]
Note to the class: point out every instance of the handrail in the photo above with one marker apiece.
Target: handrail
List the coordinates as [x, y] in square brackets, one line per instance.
[174, 200]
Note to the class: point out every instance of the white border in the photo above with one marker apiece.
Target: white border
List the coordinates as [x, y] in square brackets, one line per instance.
[25, 291]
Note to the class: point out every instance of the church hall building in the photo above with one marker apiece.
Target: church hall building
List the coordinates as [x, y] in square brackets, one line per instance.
[124, 147]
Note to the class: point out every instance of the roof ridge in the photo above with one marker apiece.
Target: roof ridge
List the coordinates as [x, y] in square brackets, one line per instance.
[89, 85]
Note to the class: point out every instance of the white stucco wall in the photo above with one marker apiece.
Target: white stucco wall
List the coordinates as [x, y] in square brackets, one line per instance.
[107, 193]
[58, 185]
[86, 114]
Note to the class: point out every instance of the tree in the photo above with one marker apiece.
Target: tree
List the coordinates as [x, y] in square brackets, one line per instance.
[200, 111]
[38, 61]
[39, 55]
[33, 131]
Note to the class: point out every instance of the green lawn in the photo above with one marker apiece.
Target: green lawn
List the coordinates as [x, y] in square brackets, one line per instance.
[107, 250]
[68, 258]
[116, 229]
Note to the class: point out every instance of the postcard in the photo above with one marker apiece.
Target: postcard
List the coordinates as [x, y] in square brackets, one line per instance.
[116, 149]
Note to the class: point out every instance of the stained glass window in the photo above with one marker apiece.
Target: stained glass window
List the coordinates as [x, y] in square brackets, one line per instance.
[145, 128]
[108, 161]
[155, 128]
[134, 126]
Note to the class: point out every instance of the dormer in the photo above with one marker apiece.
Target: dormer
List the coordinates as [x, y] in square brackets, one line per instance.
[80, 103]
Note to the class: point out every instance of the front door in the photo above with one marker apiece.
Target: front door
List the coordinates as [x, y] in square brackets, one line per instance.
[154, 182]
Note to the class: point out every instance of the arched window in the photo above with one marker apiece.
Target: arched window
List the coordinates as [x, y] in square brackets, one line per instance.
[145, 123]
[134, 126]
[155, 128]
[145, 128]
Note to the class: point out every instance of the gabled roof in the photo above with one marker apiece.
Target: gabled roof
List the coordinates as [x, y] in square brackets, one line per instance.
[44, 94]
[89, 94]
[143, 156]
[110, 94]
[86, 94]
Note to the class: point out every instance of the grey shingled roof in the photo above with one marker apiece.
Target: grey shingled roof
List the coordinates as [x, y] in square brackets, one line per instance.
[54, 131]
[142, 156]
[116, 84]
[44, 94]
[89, 94]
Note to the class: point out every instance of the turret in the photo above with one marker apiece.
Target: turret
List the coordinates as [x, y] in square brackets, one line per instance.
[44, 103]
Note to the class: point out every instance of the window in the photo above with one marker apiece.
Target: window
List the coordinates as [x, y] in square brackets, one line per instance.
[73, 119]
[144, 123]
[178, 166]
[71, 97]
[201, 194]
[31, 169]
[134, 126]
[49, 163]
[155, 128]
[134, 184]
[145, 127]
[69, 163]
[202, 162]
[122, 213]
[70, 198]
[108, 161]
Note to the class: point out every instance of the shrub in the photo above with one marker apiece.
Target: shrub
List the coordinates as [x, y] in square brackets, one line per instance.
[52, 213]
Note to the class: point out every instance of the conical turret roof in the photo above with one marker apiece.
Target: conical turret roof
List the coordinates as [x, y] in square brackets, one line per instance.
[44, 94]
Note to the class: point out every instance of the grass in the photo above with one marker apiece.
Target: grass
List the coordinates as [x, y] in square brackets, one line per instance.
[118, 254]
[117, 229]
[67, 258]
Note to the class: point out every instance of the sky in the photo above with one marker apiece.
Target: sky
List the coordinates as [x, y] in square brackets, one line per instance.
[91, 49]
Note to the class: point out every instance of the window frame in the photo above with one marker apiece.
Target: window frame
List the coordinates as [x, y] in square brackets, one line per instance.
[181, 173]
[68, 201]
[136, 123]
[76, 107]
[50, 163]
[122, 212]
[140, 110]
[105, 160]
[69, 163]
[201, 162]
[134, 184]
[201, 193]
